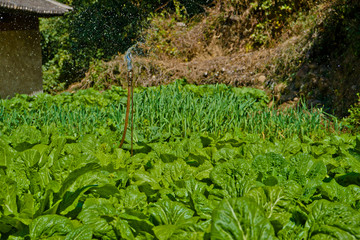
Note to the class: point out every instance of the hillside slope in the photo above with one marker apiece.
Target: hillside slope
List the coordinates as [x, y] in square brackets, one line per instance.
[311, 54]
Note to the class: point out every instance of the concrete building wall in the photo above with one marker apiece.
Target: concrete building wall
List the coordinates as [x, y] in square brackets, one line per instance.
[20, 57]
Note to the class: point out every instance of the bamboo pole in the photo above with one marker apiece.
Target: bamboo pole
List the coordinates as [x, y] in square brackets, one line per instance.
[128, 60]
[132, 116]
[129, 96]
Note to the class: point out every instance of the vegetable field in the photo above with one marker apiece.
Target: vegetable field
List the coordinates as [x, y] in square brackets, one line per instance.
[210, 162]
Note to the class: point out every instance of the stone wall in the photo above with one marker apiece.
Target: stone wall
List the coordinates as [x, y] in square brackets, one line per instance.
[20, 56]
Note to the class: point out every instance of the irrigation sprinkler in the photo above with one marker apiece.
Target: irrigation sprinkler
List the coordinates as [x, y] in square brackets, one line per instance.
[130, 97]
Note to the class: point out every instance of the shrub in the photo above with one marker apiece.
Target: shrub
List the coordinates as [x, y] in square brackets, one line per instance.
[354, 118]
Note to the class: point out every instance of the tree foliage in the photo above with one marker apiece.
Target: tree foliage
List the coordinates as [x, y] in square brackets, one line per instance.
[96, 30]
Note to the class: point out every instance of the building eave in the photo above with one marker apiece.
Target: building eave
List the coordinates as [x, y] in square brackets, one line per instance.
[42, 8]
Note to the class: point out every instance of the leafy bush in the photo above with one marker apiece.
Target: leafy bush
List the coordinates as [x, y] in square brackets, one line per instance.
[354, 118]
[93, 30]
[252, 24]
[273, 18]
[336, 52]
[96, 30]
[339, 33]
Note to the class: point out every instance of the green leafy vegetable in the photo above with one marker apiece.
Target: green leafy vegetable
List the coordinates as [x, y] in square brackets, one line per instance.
[329, 220]
[49, 226]
[240, 219]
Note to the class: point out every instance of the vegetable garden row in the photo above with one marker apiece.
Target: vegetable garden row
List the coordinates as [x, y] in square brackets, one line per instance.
[210, 162]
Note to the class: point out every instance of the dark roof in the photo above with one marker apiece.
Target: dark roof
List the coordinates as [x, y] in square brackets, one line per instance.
[38, 7]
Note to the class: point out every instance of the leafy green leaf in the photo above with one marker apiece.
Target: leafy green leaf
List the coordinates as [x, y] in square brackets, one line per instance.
[225, 154]
[183, 229]
[24, 137]
[71, 199]
[236, 177]
[271, 168]
[166, 212]
[240, 219]
[8, 196]
[275, 203]
[133, 198]
[200, 203]
[123, 229]
[138, 221]
[329, 220]
[304, 169]
[30, 157]
[7, 153]
[348, 178]
[105, 191]
[82, 233]
[50, 225]
[99, 214]
[14, 237]
[76, 174]
[203, 171]
[334, 192]
[165, 232]
[27, 208]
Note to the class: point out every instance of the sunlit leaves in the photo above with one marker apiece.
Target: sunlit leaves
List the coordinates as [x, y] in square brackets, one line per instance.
[333, 221]
[240, 219]
[49, 226]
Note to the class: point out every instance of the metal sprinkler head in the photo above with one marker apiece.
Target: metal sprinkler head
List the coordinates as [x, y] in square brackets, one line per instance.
[128, 59]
